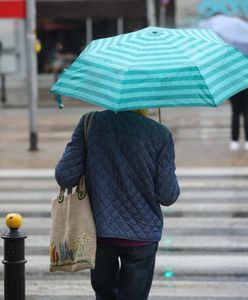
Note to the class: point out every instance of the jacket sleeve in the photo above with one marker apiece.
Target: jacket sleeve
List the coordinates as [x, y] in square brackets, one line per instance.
[166, 184]
[71, 166]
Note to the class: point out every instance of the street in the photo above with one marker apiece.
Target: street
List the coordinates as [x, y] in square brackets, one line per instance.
[202, 254]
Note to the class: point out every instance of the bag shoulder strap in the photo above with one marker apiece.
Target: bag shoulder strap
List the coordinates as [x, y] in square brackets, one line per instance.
[87, 122]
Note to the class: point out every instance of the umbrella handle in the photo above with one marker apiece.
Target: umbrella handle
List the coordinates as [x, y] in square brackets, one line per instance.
[159, 115]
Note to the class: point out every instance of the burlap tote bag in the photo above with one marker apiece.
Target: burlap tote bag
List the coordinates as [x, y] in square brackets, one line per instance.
[73, 232]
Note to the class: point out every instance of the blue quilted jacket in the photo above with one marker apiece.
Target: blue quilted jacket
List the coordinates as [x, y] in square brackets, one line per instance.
[130, 171]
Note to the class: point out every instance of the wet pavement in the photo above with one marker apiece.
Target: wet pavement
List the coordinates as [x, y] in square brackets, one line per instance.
[201, 134]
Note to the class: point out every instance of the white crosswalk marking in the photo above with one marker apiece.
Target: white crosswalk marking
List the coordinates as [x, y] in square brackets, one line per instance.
[202, 255]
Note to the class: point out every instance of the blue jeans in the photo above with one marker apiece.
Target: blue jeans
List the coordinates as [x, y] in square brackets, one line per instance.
[131, 280]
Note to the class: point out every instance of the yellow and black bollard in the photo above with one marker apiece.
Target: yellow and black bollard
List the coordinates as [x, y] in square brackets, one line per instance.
[14, 259]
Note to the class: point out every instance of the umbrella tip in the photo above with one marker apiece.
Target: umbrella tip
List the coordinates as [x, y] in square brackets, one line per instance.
[59, 101]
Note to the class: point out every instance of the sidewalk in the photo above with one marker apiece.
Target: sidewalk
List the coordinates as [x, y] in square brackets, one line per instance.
[201, 135]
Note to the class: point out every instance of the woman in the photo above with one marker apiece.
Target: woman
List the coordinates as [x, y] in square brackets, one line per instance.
[130, 171]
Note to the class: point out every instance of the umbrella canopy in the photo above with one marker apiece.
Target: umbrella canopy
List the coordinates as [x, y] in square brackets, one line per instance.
[232, 30]
[209, 8]
[156, 67]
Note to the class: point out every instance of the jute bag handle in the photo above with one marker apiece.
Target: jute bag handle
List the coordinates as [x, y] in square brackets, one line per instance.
[87, 122]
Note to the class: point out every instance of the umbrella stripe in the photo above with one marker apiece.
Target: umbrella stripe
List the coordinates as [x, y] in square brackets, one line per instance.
[151, 67]
[191, 33]
[235, 87]
[137, 55]
[142, 88]
[173, 40]
[88, 48]
[140, 44]
[101, 43]
[236, 83]
[133, 52]
[122, 52]
[129, 49]
[224, 54]
[188, 42]
[152, 72]
[163, 48]
[215, 57]
[195, 33]
[98, 44]
[110, 43]
[108, 103]
[164, 89]
[216, 61]
[143, 41]
[200, 54]
[239, 70]
[125, 95]
[196, 48]
[107, 65]
[161, 103]
[162, 45]
[207, 35]
[158, 101]
[142, 64]
[166, 43]
[203, 47]
[170, 100]
[111, 55]
[211, 58]
[220, 64]
[193, 46]
[99, 73]
[71, 92]
[180, 42]
[117, 59]
[148, 83]
[94, 98]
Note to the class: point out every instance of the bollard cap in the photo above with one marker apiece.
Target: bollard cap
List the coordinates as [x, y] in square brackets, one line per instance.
[13, 220]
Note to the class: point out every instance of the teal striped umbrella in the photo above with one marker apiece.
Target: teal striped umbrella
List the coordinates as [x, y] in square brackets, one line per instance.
[155, 67]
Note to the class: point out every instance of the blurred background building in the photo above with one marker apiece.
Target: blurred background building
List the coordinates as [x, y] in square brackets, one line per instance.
[65, 27]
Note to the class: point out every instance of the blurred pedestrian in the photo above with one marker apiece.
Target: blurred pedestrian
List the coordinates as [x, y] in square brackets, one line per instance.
[239, 104]
[130, 172]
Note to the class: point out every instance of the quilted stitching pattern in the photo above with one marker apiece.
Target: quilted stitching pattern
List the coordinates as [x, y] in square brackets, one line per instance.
[130, 172]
